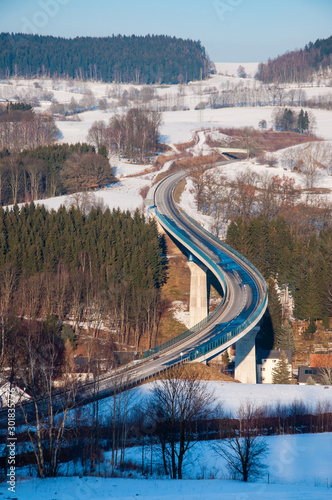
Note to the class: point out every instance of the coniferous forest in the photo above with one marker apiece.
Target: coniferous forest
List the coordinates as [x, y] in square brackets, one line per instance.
[139, 59]
[304, 262]
[104, 268]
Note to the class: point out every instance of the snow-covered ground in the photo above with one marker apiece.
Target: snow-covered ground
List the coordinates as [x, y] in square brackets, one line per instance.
[296, 471]
[180, 312]
[290, 460]
[92, 488]
[231, 396]
[124, 195]
[230, 69]
[178, 126]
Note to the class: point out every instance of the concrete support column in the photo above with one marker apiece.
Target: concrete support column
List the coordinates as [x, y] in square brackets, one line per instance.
[245, 358]
[198, 305]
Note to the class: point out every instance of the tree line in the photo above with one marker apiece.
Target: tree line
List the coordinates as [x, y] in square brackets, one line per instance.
[240, 95]
[162, 59]
[51, 170]
[104, 269]
[21, 128]
[256, 95]
[133, 135]
[297, 65]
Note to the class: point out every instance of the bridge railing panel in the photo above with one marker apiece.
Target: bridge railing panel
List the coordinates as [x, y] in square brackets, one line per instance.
[185, 335]
[208, 347]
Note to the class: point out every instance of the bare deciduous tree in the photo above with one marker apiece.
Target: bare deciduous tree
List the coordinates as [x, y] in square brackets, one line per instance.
[136, 134]
[177, 403]
[97, 133]
[245, 452]
[83, 172]
[37, 372]
[311, 160]
[34, 169]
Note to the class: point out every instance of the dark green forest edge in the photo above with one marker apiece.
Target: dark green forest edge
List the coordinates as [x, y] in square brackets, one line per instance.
[105, 268]
[298, 65]
[295, 259]
[139, 59]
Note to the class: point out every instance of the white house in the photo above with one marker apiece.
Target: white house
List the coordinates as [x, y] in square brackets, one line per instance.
[266, 361]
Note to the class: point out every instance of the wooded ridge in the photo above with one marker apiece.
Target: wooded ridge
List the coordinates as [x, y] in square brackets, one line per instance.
[138, 59]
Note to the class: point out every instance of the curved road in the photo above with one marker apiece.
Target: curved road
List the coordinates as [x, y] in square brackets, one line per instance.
[243, 306]
[245, 292]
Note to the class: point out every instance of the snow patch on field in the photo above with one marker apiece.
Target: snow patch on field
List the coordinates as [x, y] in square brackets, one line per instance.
[180, 312]
[230, 69]
[124, 195]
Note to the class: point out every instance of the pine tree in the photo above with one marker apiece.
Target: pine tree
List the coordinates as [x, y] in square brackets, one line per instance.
[309, 332]
[301, 122]
[281, 373]
[306, 122]
[274, 307]
[285, 338]
[308, 295]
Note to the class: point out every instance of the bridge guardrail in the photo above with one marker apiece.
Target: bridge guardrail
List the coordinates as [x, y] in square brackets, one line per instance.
[213, 344]
[184, 335]
[209, 346]
[225, 245]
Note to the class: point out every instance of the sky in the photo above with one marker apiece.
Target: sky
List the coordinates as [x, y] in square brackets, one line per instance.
[230, 30]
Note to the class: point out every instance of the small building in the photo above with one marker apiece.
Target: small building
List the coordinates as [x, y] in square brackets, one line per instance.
[267, 360]
[304, 372]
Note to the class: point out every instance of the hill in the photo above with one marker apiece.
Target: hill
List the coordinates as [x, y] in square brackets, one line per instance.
[138, 59]
[298, 65]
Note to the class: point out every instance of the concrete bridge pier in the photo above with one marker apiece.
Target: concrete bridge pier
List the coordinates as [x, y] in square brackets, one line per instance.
[245, 358]
[198, 304]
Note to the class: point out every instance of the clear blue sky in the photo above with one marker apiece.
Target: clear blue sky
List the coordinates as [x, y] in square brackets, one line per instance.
[230, 30]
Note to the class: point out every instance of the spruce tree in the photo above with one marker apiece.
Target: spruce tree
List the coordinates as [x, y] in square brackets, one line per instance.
[301, 122]
[306, 122]
[285, 338]
[281, 373]
[274, 307]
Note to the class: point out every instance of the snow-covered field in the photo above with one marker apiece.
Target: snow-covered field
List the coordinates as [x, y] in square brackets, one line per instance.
[290, 460]
[231, 396]
[296, 472]
[178, 126]
[91, 488]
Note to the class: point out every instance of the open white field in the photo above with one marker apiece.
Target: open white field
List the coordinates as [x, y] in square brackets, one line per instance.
[232, 396]
[94, 488]
[296, 471]
[178, 126]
